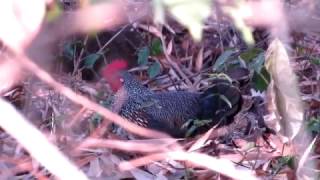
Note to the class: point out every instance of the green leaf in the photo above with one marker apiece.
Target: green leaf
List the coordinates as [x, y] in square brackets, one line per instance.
[257, 63]
[192, 125]
[96, 119]
[222, 59]
[156, 47]
[187, 124]
[69, 50]
[107, 102]
[190, 13]
[250, 54]
[154, 70]
[143, 55]
[90, 60]
[283, 162]
[315, 61]
[190, 131]
[261, 79]
[314, 125]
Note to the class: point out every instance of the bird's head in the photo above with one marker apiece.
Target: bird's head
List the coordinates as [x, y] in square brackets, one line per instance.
[114, 73]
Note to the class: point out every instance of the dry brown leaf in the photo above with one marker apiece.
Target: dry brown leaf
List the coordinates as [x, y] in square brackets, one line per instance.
[285, 88]
[287, 100]
[304, 157]
[95, 169]
[140, 174]
[199, 60]
[170, 47]
[201, 141]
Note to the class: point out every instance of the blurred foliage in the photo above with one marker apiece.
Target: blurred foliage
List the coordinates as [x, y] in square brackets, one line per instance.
[143, 55]
[189, 13]
[313, 125]
[261, 79]
[283, 162]
[315, 60]
[155, 49]
[95, 120]
[53, 12]
[91, 60]
[69, 50]
[255, 59]
[237, 13]
[154, 69]
[257, 63]
[220, 63]
[220, 76]
[250, 54]
[252, 59]
[193, 125]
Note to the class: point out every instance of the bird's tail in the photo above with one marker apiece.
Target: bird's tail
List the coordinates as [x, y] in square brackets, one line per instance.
[221, 102]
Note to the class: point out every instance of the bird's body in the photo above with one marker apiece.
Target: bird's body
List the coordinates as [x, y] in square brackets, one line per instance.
[168, 111]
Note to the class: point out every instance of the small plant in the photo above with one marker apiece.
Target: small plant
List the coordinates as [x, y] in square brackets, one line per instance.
[282, 162]
[314, 125]
[154, 50]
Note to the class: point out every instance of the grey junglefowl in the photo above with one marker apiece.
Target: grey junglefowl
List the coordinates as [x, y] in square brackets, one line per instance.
[170, 111]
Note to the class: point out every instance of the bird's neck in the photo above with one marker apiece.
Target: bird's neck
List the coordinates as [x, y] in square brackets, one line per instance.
[133, 86]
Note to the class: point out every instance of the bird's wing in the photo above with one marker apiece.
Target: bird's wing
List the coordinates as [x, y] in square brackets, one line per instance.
[174, 108]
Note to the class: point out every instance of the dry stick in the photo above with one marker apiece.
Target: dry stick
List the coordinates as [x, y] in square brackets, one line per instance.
[37, 144]
[155, 32]
[144, 147]
[21, 165]
[112, 38]
[223, 166]
[79, 59]
[75, 118]
[128, 165]
[304, 158]
[44, 76]
[173, 64]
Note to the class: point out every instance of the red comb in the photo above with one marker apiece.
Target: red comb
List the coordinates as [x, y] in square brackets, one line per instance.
[114, 67]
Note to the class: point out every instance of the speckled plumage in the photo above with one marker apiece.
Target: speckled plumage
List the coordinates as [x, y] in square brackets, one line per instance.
[163, 111]
[169, 111]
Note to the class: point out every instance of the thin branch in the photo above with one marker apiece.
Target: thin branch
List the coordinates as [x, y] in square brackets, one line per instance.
[81, 100]
[37, 144]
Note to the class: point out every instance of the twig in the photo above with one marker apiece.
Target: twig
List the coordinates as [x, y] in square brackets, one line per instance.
[44, 76]
[157, 33]
[155, 145]
[79, 59]
[112, 38]
[223, 166]
[26, 134]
